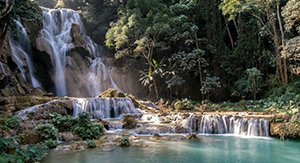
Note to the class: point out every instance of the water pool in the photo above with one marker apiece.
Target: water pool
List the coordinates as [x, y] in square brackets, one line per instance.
[209, 149]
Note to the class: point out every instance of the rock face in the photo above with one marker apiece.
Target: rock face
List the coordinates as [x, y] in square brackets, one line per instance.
[11, 82]
[285, 130]
[63, 106]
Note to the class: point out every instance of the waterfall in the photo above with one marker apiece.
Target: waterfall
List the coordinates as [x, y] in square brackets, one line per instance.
[228, 124]
[56, 40]
[20, 48]
[103, 108]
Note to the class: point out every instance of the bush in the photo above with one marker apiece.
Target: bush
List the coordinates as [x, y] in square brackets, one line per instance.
[46, 131]
[50, 143]
[91, 144]
[12, 122]
[63, 123]
[87, 129]
[11, 151]
[124, 141]
[184, 104]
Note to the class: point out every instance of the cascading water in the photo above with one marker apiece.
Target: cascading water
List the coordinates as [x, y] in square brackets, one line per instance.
[103, 108]
[21, 54]
[227, 124]
[56, 40]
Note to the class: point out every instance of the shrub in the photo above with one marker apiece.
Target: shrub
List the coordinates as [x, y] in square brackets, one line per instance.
[11, 151]
[63, 123]
[91, 144]
[124, 141]
[46, 131]
[184, 104]
[50, 143]
[87, 129]
[12, 122]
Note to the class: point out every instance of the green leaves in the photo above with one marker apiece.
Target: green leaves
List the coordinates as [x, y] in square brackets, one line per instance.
[251, 82]
[87, 129]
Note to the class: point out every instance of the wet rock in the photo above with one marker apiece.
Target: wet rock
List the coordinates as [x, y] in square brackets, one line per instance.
[180, 129]
[38, 92]
[68, 137]
[129, 122]
[40, 111]
[77, 36]
[192, 137]
[109, 93]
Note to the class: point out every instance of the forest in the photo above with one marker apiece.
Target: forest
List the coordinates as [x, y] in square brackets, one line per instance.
[225, 63]
[205, 50]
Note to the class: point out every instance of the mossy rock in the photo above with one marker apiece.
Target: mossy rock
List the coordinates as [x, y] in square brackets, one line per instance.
[109, 93]
[120, 94]
[129, 122]
[286, 130]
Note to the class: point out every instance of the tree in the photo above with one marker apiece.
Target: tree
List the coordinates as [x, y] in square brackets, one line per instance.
[251, 82]
[267, 12]
[12, 10]
[137, 33]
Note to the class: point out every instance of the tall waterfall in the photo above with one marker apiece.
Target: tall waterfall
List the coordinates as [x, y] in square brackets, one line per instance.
[20, 48]
[102, 108]
[56, 40]
[227, 124]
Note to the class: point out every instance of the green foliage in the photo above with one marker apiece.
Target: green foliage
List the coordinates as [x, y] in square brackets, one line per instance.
[26, 9]
[91, 144]
[50, 143]
[184, 104]
[210, 84]
[82, 126]
[11, 151]
[87, 129]
[63, 123]
[46, 131]
[251, 82]
[124, 141]
[12, 122]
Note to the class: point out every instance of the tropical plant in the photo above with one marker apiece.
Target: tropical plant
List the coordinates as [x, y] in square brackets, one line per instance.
[46, 131]
[12, 122]
[251, 82]
[124, 141]
[91, 144]
[87, 129]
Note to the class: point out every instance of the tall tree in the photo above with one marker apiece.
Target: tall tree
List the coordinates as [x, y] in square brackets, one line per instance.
[267, 12]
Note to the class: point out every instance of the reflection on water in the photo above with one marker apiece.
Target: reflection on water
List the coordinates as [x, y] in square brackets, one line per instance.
[209, 149]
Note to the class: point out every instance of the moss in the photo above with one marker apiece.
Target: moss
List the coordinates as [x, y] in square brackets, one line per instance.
[129, 122]
[109, 93]
[288, 130]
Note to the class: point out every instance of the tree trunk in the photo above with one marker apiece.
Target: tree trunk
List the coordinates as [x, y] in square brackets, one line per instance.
[278, 54]
[155, 89]
[230, 36]
[283, 46]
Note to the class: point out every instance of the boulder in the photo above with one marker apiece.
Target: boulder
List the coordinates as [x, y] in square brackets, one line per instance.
[68, 137]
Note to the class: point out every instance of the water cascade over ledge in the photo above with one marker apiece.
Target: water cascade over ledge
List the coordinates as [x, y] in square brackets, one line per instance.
[57, 39]
[103, 108]
[228, 124]
[20, 48]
